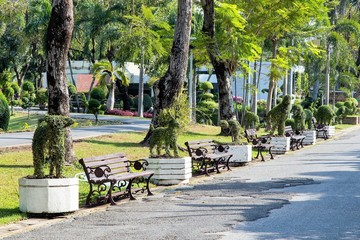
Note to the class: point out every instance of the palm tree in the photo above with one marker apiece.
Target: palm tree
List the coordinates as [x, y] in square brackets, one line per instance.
[103, 71]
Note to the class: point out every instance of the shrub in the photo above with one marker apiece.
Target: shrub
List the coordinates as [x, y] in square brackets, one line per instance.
[147, 102]
[308, 118]
[251, 120]
[41, 96]
[324, 115]
[96, 104]
[72, 90]
[206, 86]
[341, 112]
[299, 117]
[290, 122]
[351, 105]
[4, 113]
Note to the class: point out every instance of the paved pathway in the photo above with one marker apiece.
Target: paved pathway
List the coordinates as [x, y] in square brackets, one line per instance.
[313, 193]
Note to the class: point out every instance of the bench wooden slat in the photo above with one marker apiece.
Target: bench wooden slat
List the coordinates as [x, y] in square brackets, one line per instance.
[105, 157]
[107, 162]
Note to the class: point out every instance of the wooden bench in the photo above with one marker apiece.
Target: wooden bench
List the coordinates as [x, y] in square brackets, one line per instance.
[296, 139]
[320, 128]
[108, 173]
[260, 143]
[208, 155]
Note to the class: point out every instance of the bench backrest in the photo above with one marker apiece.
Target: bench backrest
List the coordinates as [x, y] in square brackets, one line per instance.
[251, 135]
[200, 147]
[289, 131]
[103, 167]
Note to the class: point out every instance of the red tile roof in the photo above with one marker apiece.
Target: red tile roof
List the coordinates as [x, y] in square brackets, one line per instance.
[83, 82]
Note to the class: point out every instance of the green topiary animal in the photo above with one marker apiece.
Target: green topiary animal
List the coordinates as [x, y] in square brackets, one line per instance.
[324, 115]
[299, 117]
[277, 116]
[164, 135]
[308, 118]
[235, 131]
[251, 120]
[48, 144]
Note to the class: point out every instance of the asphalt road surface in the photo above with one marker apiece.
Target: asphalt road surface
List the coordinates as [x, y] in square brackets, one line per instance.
[312, 193]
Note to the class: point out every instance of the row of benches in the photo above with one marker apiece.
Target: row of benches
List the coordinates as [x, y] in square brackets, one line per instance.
[113, 176]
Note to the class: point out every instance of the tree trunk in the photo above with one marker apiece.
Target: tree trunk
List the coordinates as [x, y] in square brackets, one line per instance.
[111, 98]
[223, 68]
[57, 46]
[141, 87]
[272, 80]
[169, 86]
[254, 97]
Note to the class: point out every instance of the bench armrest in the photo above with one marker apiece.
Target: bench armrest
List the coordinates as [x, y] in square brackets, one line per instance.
[222, 148]
[139, 165]
[102, 171]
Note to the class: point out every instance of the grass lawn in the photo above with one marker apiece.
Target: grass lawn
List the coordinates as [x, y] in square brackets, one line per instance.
[14, 165]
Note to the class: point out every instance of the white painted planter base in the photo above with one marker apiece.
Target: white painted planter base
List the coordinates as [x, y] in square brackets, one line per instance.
[310, 138]
[241, 153]
[49, 195]
[170, 171]
[281, 145]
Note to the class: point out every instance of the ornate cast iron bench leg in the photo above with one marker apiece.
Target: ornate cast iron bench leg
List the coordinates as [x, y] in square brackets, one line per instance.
[149, 193]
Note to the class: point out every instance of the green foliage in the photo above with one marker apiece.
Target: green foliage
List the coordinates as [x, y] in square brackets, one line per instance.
[28, 95]
[207, 108]
[147, 101]
[235, 131]
[308, 118]
[49, 145]
[28, 86]
[72, 90]
[251, 120]
[352, 105]
[278, 115]
[206, 86]
[4, 113]
[290, 122]
[339, 104]
[165, 135]
[41, 96]
[179, 111]
[299, 117]
[324, 115]
[96, 104]
[341, 112]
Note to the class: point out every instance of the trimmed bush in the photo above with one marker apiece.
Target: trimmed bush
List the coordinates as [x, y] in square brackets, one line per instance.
[251, 120]
[324, 115]
[308, 118]
[4, 113]
[299, 117]
[290, 122]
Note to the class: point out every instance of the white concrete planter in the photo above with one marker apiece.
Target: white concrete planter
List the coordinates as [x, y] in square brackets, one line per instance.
[331, 131]
[49, 195]
[281, 145]
[241, 153]
[310, 138]
[170, 171]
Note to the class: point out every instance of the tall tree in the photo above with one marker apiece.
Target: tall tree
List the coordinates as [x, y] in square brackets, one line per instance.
[227, 46]
[58, 39]
[170, 85]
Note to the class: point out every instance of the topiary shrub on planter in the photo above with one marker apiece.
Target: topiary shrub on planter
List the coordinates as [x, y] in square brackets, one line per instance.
[308, 118]
[4, 113]
[48, 145]
[299, 117]
[351, 104]
[324, 115]
[277, 116]
[251, 120]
